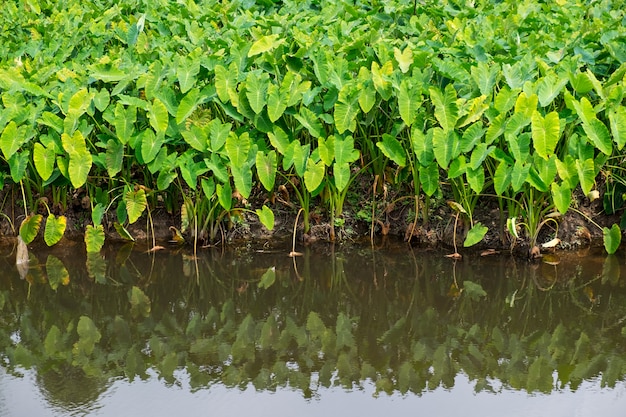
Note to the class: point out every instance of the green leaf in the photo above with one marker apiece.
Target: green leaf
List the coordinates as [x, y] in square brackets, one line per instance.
[276, 103]
[502, 178]
[545, 133]
[79, 167]
[326, 149]
[314, 174]
[265, 44]
[392, 149]
[526, 105]
[97, 213]
[581, 82]
[256, 90]
[88, 336]
[519, 175]
[408, 102]
[344, 150]
[404, 58]
[266, 217]
[442, 147]
[479, 154]
[124, 121]
[485, 76]
[279, 139]
[345, 116]
[268, 278]
[151, 145]
[159, 117]
[44, 160]
[224, 195]
[242, 177]
[422, 146]
[237, 148]
[186, 72]
[9, 141]
[54, 230]
[140, 305]
[473, 290]
[30, 227]
[612, 238]
[475, 235]
[548, 88]
[341, 175]
[136, 202]
[266, 166]
[446, 109]
[586, 174]
[599, 135]
[617, 119]
[476, 179]
[80, 102]
[114, 157]
[562, 196]
[187, 105]
[429, 178]
[94, 238]
[124, 234]
[310, 121]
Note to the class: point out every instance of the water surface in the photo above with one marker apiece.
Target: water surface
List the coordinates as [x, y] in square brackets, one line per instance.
[354, 330]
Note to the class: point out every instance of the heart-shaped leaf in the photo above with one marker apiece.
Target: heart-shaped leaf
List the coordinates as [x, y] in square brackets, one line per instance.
[136, 202]
[54, 230]
[94, 238]
[612, 238]
[30, 227]
[266, 217]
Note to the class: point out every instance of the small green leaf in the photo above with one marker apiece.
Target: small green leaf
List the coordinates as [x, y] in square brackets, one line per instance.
[136, 202]
[124, 234]
[268, 278]
[612, 238]
[97, 213]
[475, 235]
[266, 217]
[94, 238]
[30, 227]
[54, 230]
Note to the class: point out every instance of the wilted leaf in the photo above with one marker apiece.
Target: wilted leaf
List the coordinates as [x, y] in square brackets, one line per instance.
[30, 227]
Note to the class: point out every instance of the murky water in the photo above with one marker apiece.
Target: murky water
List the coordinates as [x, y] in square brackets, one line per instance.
[344, 330]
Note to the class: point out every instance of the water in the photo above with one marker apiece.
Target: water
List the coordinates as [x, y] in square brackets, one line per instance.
[351, 330]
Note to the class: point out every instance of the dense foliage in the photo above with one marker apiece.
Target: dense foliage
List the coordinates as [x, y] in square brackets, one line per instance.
[199, 106]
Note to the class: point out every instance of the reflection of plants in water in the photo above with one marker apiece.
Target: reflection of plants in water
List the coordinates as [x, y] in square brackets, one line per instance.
[402, 331]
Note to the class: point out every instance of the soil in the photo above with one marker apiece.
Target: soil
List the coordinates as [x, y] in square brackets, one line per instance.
[393, 217]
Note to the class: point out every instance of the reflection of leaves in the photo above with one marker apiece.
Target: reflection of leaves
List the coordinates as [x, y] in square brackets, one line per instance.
[140, 303]
[57, 273]
[96, 267]
[473, 290]
[345, 338]
[268, 278]
[88, 336]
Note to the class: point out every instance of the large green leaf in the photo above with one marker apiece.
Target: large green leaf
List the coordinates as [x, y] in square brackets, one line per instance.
[326, 149]
[94, 238]
[586, 174]
[187, 105]
[519, 175]
[242, 177]
[345, 116]
[80, 102]
[310, 121]
[18, 164]
[237, 148]
[612, 238]
[562, 196]
[479, 154]
[30, 227]
[599, 135]
[159, 117]
[422, 145]
[79, 167]
[404, 58]
[476, 179]
[266, 166]
[408, 102]
[224, 195]
[136, 202]
[124, 121]
[442, 147]
[314, 174]
[545, 133]
[279, 139]
[186, 72]
[114, 157]
[276, 103]
[549, 87]
[151, 145]
[43, 158]
[429, 178]
[341, 175]
[54, 230]
[446, 109]
[265, 44]
[256, 90]
[502, 178]
[344, 150]
[197, 138]
[9, 141]
[526, 105]
[392, 149]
